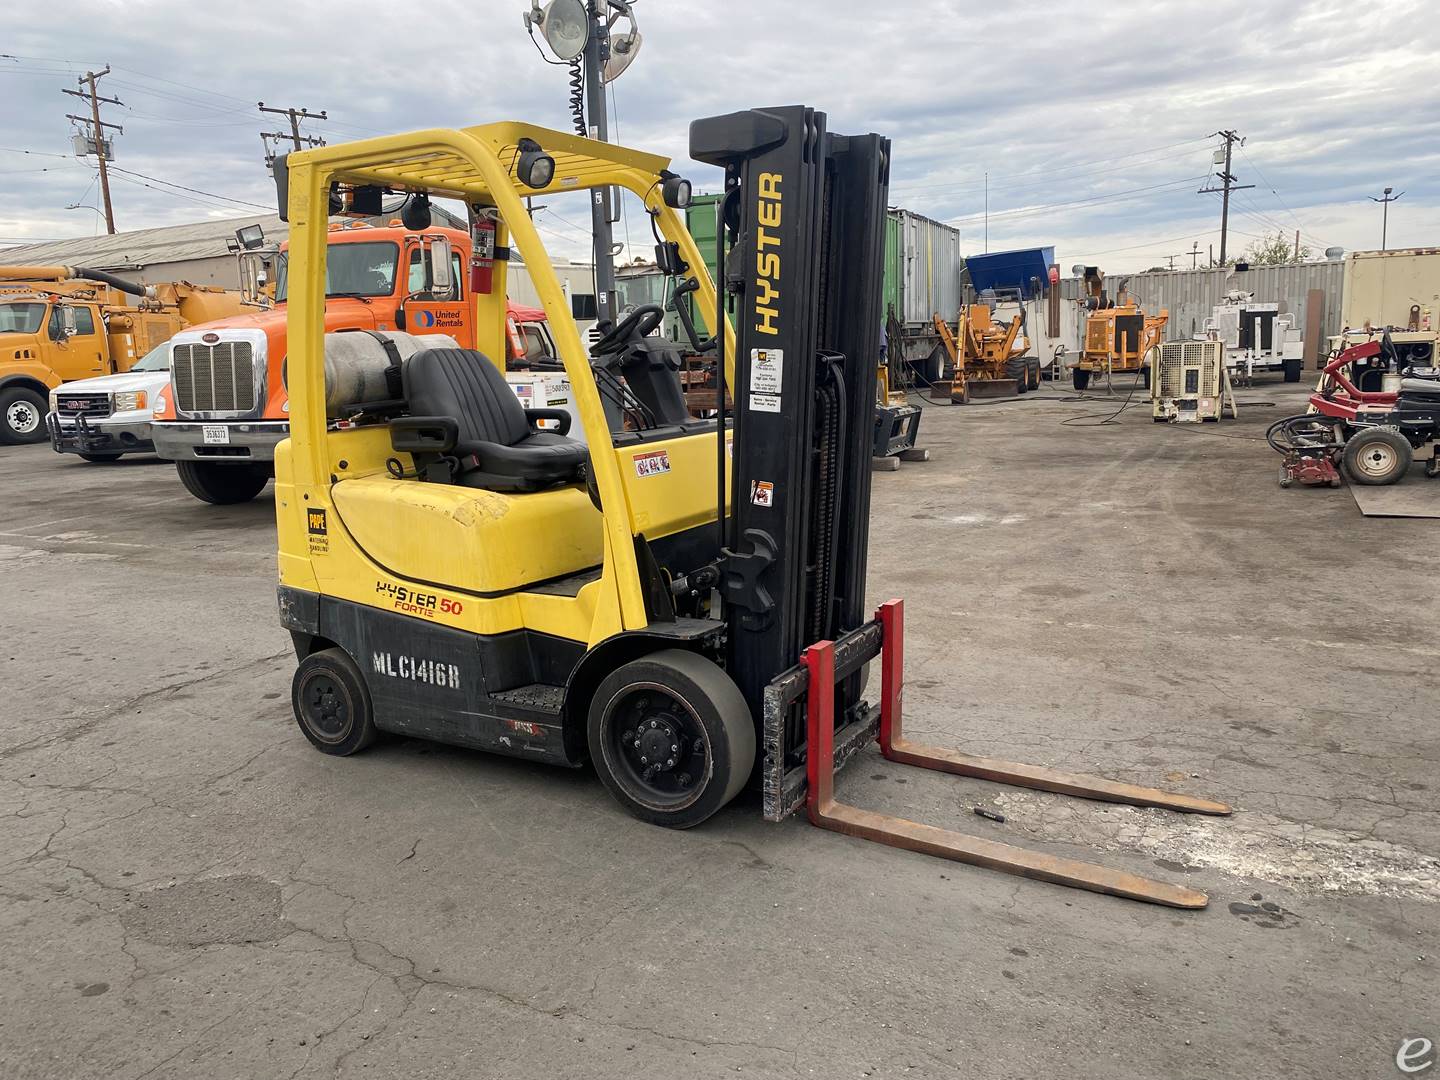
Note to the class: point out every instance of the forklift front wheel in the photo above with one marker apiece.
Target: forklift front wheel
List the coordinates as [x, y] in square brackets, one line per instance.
[332, 705]
[671, 738]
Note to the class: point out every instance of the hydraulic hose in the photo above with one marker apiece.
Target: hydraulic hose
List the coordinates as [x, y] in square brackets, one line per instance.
[109, 279]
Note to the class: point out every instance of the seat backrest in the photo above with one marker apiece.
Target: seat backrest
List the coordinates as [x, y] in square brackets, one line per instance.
[464, 384]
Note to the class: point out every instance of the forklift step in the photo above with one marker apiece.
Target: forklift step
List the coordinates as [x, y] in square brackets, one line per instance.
[819, 662]
[538, 697]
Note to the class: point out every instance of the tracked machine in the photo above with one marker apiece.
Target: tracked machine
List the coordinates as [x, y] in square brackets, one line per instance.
[678, 602]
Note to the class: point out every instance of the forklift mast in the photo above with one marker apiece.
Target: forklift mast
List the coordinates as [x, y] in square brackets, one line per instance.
[804, 210]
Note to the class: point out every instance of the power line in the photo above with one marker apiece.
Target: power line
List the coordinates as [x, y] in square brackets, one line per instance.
[197, 191]
[297, 140]
[95, 135]
[1026, 211]
[1228, 184]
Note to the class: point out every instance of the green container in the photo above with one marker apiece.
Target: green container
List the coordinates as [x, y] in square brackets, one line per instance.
[894, 253]
[700, 220]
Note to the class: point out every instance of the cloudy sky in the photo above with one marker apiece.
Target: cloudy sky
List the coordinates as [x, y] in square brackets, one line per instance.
[1094, 122]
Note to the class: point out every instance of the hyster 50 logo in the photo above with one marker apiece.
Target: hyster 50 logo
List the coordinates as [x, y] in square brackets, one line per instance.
[415, 602]
[767, 262]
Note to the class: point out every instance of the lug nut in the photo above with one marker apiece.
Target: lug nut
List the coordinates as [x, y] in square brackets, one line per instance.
[670, 763]
[674, 748]
[644, 761]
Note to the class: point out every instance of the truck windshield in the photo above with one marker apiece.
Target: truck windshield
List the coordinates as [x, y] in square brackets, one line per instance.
[22, 318]
[366, 269]
[157, 359]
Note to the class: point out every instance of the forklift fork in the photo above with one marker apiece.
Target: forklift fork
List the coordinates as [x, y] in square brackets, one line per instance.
[824, 811]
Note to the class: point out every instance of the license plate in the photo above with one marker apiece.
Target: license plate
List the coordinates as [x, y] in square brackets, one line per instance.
[215, 434]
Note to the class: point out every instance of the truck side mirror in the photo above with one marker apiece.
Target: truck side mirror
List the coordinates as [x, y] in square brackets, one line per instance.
[63, 329]
[442, 281]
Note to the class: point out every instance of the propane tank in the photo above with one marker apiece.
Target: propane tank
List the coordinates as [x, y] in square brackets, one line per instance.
[355, 365]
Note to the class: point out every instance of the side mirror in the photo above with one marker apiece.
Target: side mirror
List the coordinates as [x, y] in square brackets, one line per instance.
[442, 281]
[65, 329]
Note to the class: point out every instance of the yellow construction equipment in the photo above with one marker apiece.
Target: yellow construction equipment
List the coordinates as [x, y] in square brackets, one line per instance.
[1118, 334]
[983, 354]
[59, 323]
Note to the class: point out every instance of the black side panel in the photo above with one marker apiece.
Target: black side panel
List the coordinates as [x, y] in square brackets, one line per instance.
[434, 682]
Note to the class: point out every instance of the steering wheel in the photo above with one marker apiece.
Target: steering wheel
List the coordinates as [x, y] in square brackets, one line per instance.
[638, 323]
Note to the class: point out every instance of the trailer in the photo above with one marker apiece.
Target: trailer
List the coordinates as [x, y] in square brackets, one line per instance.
[923, 265]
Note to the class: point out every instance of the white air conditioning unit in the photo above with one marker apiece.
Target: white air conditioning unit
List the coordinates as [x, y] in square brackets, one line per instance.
[1191, 384]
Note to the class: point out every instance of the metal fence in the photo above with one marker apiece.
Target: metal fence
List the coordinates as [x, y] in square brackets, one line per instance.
[1190, 294]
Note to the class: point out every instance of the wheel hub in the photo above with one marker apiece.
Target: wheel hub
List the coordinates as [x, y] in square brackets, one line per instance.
[327, 712]
[22, 417]
[660, 747]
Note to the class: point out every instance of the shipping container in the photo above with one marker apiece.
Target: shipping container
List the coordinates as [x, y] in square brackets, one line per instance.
[700, 220]
[922, 279]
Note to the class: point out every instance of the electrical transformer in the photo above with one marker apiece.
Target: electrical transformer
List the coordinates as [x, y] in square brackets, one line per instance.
[1191, 385]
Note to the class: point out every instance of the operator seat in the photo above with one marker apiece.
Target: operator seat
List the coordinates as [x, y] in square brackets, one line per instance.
[495, 441]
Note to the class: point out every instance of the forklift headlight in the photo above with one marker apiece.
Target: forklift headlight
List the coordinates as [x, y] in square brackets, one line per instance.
[129, 400]
[535, 168]
[675, 190]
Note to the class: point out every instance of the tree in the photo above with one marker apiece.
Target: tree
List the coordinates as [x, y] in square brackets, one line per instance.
[1275, 250]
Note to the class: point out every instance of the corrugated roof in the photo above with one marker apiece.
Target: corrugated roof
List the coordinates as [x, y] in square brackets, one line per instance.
[172, 243]
[126, 250]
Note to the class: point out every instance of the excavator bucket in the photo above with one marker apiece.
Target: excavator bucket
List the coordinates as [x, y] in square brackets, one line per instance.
[819, 666]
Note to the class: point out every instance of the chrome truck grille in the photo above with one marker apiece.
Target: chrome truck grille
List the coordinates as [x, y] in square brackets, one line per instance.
[73, 405]
[214, 378]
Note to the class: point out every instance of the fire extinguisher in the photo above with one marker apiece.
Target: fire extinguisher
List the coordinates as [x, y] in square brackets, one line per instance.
[482, 250]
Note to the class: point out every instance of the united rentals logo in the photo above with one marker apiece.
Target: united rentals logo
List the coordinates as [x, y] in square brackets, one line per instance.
[767, 263]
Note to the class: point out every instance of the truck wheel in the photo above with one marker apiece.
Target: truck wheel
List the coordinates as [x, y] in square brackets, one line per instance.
[331, 703]
[1080, 378]
[671, 738]
[1033, 363]
[22, 416]
[222, 485]
[1378, 455]
[1293, 370]
[100, 458]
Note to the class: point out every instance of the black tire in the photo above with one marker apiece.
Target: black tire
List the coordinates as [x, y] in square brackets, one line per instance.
[222, 485]
[1377, 456]
[100, 459]
[1293, 370]
[1033, 363]
[332, 704]
[1079, 378]
[1018, 370]
[676, 703]
[22, 417]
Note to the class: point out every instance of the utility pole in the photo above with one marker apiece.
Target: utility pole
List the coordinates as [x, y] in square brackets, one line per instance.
[1172, 259]
[1228, 184]
[597, 51]
[295, 138]
[96, 134]
[1385, 202]
[987, 213]
[1297, 245]
[1194, 253]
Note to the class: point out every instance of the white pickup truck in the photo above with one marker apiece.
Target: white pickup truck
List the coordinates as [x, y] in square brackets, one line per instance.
[102, 418]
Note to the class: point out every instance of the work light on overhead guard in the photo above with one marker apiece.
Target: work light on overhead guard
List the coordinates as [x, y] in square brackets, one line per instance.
[565, 24]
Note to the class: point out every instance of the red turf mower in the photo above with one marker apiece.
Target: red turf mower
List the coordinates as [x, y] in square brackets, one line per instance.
[1372, 435]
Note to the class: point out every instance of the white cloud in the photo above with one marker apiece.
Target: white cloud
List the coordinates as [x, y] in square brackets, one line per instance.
[1105, 110]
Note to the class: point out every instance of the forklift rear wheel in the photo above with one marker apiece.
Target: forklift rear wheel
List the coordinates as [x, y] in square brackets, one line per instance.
[671, 738]
[332, 705]
[222, 485]
[1378, 455]
[22, 416]
[1080, 377]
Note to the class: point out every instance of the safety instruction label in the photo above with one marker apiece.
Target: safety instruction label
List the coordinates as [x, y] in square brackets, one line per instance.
[762, 493]
[653, 463]
[767, 369]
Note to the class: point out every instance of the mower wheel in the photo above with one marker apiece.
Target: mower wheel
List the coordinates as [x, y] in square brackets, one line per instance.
[1080, 378]
[1378, 455]
[671, 738]
[1285, 480]
[332, 704]
[1033, 363]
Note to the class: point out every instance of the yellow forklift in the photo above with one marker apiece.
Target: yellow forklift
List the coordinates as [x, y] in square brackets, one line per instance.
[678, 602]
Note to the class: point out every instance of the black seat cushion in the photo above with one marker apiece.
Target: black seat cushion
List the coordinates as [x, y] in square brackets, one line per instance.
[498, 447]
[1420, 387]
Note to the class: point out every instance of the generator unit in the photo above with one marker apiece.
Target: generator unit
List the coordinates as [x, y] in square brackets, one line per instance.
[1193, 382]
[1256, 336]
